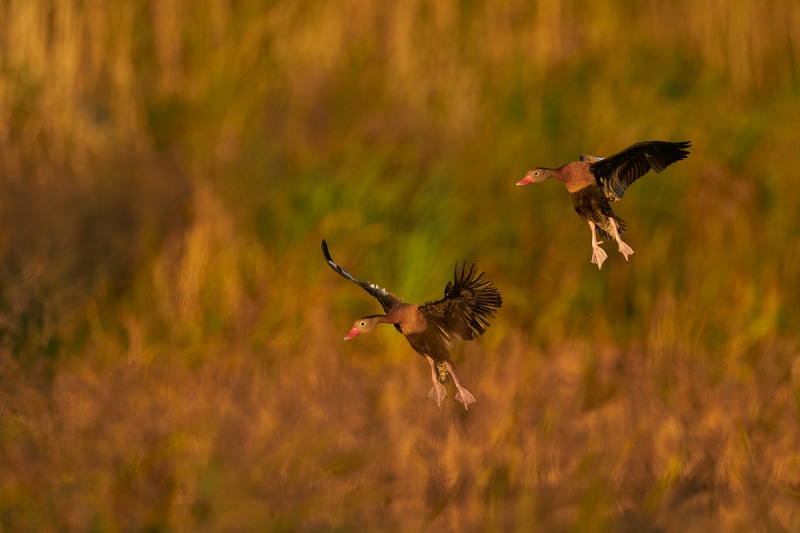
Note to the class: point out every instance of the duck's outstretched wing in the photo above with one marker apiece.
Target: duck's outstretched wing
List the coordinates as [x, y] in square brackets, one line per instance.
[615, 174]
[468, 304]
[387, 299]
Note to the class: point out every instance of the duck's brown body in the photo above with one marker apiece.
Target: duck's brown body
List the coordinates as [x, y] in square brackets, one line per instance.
[592, 206]
[593, 182]
[425, 340]
[575, 176]
[432, 328]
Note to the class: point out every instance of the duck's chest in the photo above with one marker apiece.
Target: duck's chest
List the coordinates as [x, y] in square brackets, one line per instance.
[406, 318]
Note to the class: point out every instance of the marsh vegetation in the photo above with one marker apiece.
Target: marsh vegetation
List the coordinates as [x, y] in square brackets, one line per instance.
[170, 337]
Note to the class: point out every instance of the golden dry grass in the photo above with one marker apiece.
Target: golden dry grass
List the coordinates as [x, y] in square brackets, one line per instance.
[170, 337]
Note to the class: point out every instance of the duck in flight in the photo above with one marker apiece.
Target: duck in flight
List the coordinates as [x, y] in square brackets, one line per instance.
[431, 329]
[594, 181]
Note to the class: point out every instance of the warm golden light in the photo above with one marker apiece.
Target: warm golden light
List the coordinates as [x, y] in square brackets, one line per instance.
[171, 353]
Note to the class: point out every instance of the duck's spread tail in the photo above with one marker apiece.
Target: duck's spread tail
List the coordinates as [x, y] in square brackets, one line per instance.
[621, 227]
[441, 372]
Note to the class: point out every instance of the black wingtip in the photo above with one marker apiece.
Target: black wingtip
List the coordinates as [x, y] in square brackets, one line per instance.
[683, 145]
[325, 251]
[683, 149]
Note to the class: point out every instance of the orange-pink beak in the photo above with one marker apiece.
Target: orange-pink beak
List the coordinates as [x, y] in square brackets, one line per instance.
[353, 332]
[526, 180]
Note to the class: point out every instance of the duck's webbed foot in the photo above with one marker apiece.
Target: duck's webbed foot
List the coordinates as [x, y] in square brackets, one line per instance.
[465, 397]
[437, 394]
[625, 250]
[598, 255]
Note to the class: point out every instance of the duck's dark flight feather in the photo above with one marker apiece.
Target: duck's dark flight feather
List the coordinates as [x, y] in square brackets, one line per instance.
[386, 299]
[468, 304]
[616, 173]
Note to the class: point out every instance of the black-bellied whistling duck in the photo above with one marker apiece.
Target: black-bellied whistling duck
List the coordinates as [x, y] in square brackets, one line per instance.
[431, 329]
[593, 181]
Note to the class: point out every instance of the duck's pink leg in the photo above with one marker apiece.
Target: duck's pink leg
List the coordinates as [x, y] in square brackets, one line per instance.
[624, 249]
[598, 254]
[463, 395]
[438, 392]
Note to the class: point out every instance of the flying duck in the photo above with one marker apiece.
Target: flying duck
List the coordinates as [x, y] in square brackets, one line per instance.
[594, 181]
[431, 329]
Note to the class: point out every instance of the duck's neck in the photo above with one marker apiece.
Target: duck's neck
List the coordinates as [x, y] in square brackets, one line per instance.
[394, 316]
[381, 319]
[561, 173]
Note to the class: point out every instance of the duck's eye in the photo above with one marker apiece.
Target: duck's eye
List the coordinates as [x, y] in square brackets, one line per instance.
[363, 323]
[536, 173]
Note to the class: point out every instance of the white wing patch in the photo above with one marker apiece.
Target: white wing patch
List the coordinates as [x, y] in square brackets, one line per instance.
[373, 286]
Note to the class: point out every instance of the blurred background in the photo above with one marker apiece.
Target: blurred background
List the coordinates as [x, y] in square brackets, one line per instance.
[171, 354]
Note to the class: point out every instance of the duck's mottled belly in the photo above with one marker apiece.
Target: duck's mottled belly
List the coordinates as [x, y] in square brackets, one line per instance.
[428, 343]
[591, 205]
